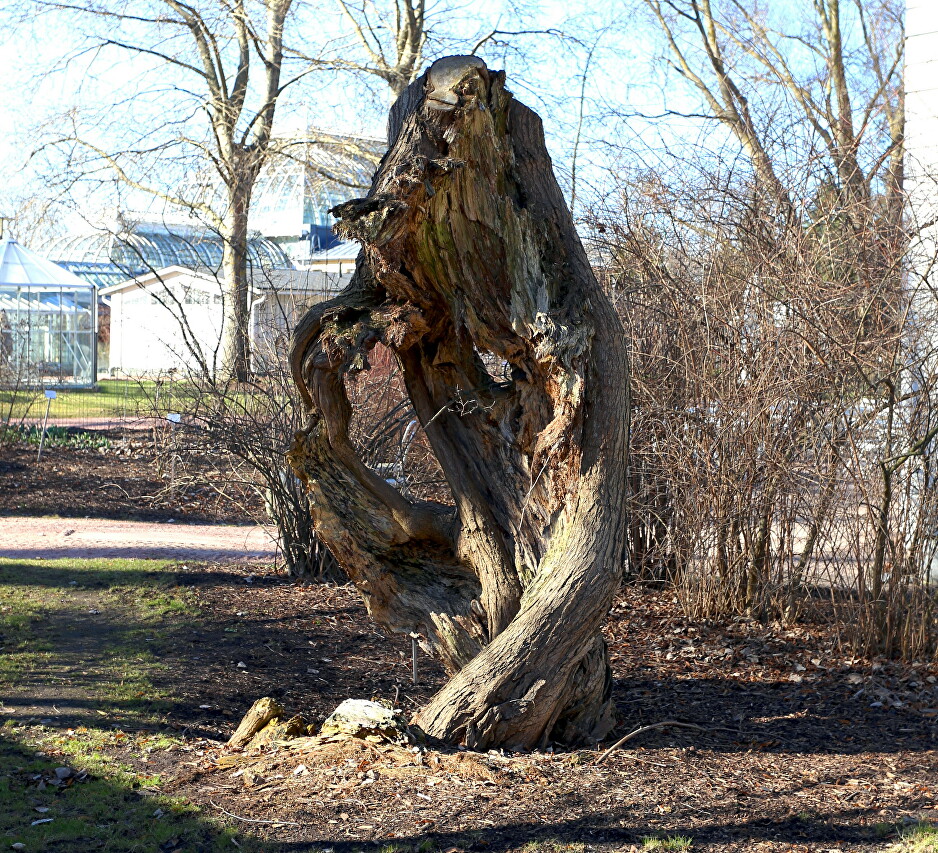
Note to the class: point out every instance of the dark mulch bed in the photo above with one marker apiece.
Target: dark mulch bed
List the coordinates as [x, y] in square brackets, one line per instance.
[129, 481]
[799, 747]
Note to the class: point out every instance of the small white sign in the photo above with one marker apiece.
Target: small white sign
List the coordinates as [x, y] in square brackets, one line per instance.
[50, 395]
[173, 418]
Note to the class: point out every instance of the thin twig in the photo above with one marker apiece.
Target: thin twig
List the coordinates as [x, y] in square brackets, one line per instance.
[252, 820]
[633, 757]
[662, 725]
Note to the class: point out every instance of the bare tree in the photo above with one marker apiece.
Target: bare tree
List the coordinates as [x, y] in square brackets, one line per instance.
[849, 95]
[227, 66]
[226, 61]
[785, 380]
[473, 274]
[393, 52]
[392, 40]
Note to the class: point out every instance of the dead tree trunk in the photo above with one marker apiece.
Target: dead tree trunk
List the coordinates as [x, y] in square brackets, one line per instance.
[470, 259]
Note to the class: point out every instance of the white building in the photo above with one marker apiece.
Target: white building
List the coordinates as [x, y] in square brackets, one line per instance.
[921, 134]
[172, 319]
[336, 260]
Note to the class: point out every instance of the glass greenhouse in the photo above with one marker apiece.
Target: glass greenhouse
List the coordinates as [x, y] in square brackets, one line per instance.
[136, 248]
[316, 172]
[290, 221]
[48, 322]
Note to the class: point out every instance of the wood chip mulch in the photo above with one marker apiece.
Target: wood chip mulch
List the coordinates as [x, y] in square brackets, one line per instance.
[800, 747]
[128, 480]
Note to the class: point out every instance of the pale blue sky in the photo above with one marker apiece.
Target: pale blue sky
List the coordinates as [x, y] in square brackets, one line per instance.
[42, 73]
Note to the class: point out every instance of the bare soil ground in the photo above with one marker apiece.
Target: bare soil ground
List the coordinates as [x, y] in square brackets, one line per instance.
[798, 748]
[786, 758]
[129, 480]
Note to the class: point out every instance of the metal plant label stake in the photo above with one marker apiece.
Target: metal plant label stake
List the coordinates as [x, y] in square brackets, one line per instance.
[413, 653]
[173, 419]
[50, 396]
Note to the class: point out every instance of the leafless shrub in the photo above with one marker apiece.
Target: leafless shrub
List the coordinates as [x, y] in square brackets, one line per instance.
[233, 435]
[387, 433]
[784, 391]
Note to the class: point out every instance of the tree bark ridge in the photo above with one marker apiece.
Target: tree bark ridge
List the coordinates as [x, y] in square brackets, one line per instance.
[515, 362]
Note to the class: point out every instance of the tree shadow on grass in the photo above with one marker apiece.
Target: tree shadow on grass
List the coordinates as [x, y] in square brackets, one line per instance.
[102, 573]
[313, 647]
[91, 573]
[130, 646]
[92, 811]
[82, 642]
[617, 829]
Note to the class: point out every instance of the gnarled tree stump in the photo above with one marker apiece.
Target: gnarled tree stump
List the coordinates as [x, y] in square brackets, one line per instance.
[471, 256]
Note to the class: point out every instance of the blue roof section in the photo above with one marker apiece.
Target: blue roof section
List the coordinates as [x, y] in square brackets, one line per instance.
[340, 252]
[20, 266]
[320, 237]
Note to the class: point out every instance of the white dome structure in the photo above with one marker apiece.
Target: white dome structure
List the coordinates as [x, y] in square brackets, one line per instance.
[48, 322]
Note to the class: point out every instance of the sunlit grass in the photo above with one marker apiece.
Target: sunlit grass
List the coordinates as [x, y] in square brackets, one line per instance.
[672, 842]
[109, 398]
[917, 838]
[82, 628]
[100, 807]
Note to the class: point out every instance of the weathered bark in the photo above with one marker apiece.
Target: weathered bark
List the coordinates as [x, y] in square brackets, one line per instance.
[470, 254]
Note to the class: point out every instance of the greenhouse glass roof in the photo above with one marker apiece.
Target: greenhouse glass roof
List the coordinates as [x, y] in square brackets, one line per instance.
[311, 173]
[104, 258]
[146, 246]
[100, 274]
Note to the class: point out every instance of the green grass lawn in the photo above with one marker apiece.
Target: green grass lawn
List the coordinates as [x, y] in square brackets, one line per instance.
[917, 838]
[77, 639]
[110, 398]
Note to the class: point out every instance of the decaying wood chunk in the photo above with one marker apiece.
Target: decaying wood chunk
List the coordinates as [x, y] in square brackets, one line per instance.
[261, 713]
[278, 729]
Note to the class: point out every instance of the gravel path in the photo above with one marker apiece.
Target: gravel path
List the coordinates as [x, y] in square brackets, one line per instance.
[47, 538]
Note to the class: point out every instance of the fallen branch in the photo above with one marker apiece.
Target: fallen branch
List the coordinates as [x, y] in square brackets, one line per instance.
[117, 486]
[253, 820]
[662, 725]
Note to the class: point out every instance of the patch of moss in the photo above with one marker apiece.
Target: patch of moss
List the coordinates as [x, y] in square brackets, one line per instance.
[917, 838]
[670, 842]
